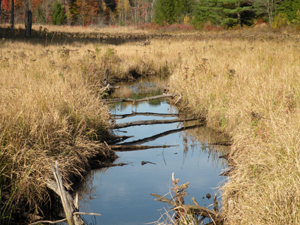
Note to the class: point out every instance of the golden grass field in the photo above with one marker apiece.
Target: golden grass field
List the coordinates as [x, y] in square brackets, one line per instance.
[250, 90]
[51, 109]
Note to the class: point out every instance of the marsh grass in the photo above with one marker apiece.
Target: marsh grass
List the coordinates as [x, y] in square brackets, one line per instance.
[50, 109]
[250, 90]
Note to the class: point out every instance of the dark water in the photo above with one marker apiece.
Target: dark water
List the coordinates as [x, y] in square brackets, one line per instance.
[122, 194]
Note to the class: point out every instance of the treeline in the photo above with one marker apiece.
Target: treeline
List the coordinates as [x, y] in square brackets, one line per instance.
[228, 13]
[199, 13]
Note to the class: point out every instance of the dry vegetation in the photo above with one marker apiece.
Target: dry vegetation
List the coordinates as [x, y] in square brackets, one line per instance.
[250, 90]
[50, 109]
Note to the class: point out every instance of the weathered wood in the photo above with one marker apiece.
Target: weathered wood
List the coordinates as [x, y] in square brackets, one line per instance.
[105, 80]
[63, 195]
[108, 88]
[191, 209]
[149, 122]
[119, 139]
[154, 137]
[142, 99]
[137, 147]
[146, 114]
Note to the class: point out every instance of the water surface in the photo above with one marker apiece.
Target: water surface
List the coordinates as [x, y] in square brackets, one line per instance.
[122, 194]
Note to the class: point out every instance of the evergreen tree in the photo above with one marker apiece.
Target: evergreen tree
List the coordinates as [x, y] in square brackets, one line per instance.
[164, 11]
[183, 8]
[58, 15]
[266, 8]
[233, 10]
[290, 8]
[208, 10]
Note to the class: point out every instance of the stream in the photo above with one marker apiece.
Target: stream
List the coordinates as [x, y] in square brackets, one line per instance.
[122, 194]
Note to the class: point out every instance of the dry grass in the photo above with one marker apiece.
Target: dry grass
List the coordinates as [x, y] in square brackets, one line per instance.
[250, 90]
[50, 110]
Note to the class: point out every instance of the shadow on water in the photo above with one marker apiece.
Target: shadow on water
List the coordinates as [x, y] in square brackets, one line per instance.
[122, 194]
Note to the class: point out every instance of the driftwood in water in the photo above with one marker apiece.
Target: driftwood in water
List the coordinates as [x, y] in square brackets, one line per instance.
[119, 139]
[192, 209]
[140, 100]
[137, 147]
[108, 88]
[70, 205]
[145, 114]
[154, 137]
[148, 122]
[98, 165]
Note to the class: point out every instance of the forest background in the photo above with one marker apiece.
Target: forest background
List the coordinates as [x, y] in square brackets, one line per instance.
[189, 14]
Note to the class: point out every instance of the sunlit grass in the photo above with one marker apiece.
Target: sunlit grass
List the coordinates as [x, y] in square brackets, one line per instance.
[250, 90]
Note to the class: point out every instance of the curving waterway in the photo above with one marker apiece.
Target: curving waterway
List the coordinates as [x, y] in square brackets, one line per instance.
[122, 194]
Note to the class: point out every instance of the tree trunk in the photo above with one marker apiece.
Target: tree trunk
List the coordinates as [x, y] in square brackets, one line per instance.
[28, 21]
[239, 15]
[0, 8]
[12, 17]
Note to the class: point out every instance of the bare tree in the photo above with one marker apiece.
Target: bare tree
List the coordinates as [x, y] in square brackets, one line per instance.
[266, 7]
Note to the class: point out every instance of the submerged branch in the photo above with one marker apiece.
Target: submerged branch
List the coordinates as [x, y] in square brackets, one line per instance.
[154, 137]
[145, 114]
[148, 122]
[137, 147]
[140, 100]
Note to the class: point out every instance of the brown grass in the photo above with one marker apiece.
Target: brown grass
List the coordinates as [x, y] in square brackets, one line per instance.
[50, 109]
[250, 90]
[48, 112]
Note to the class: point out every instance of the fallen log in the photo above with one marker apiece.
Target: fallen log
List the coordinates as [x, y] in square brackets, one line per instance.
[154, 137]
[118, 139]
[137, 147]
[145, 114]
[140, 100]
[70, 205]
[148, 122]
[98, 165]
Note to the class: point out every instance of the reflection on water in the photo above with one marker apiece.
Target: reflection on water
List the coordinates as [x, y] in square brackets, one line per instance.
[122, 194]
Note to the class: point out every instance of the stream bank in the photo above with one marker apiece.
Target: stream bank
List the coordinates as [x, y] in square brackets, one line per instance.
[122, 194]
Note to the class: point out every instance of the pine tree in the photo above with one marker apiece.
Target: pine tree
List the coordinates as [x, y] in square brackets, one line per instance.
[58, 16]
[164, 11]
[183, 8]
[290, 8]
[208, 11]
[233, 10]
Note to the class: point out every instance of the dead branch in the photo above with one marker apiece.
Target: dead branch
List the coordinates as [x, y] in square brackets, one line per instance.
[70, 205]
[137, 147]
[148, 122]
[108, 88]
[191, 209]
[140, 100]
[119, 139]
[97, 164]
[145, 114]
[154, 137]
[48, 221]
